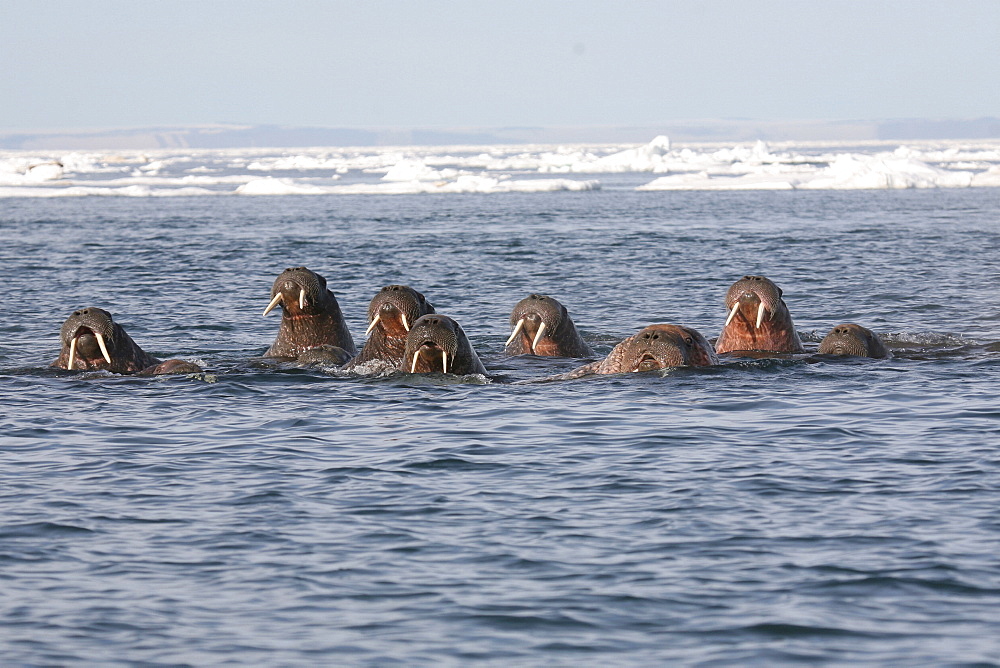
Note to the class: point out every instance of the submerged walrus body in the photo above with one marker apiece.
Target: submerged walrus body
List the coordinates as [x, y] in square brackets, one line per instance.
[655, 347]
[758, 319]
[90, 340]
[540, 325]
[436, 343]
[310, 318]
[854, 340]
[391, 314]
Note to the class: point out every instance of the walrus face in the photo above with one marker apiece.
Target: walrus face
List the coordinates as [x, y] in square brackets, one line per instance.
[753, 298]
[88, 336]
[855, 340]
[758, 319]
[665, 346]
[394, 308]
[537, 327]
[432, 344]
[299, 291]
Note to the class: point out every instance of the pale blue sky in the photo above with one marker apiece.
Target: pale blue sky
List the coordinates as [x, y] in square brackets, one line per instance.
[99, 64]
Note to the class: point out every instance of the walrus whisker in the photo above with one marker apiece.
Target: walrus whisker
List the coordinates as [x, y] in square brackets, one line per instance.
[373, 323]
[406, 325]
[72, 354]
[413, 367]
[732, 314]
[302, 298]
[538, 337]
[517, 329]
[104, 348]
[760, 314]
[444, 361]
[274, 302]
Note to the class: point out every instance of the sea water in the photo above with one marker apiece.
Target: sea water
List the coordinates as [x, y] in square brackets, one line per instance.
[807, 509]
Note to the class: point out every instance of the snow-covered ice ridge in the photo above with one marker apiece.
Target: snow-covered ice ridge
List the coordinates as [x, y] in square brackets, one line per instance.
[501, 169]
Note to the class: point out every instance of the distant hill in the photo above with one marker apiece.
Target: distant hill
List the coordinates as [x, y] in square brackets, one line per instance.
[722, 130]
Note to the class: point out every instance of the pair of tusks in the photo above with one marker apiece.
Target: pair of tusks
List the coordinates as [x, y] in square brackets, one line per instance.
[444, 361]
[378, 317]
[538, 334]
[72, 350]
[278, 298]
[736, 307]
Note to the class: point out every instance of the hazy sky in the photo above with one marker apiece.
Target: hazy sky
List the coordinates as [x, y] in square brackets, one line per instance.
[97, 64]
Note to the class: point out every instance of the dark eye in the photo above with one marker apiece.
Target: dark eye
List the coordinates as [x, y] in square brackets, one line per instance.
[688, 340]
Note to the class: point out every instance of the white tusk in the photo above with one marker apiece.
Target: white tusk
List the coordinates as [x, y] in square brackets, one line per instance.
[760, 314]
[104, 348]
[274, 302]
[72, 354]
[444, 360]
[406, 325]
[302, 298]
[372, 326]
[413, 367]
[517, 328]
[538, 337]
[732, 314]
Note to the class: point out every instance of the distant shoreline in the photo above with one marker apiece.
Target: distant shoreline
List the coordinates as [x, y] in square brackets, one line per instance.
[702, 131]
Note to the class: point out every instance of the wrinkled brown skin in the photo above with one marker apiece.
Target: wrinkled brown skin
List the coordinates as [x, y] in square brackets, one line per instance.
[854, 340]
[430, 335]
[655, 347]
[320, 323]
[776, 333]
[560, 338]
[386, 344]
[126, 355]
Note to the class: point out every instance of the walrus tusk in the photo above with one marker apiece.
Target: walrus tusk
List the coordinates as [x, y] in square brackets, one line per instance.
[274, 302]
[538, 337]
[104, 348]
[302, 298]
[72, 354]
[517, 328]
[444, 361]
[413, 367]
[372, 326]
[732, 314]
[406, 325]
[760, 314]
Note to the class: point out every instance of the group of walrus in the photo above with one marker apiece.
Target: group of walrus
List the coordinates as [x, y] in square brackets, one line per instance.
[406, 334]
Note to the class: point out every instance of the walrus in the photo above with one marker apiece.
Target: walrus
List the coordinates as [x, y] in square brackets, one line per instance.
[391, 313]
[438, 343]
[92, 341]
[852, 339]
[310, 317]
[540, 325]
[758, 319]
[655, 347]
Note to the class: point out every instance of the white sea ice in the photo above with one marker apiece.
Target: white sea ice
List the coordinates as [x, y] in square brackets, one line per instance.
[502, 168]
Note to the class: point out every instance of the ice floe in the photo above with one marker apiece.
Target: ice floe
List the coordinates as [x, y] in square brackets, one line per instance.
[657, 165]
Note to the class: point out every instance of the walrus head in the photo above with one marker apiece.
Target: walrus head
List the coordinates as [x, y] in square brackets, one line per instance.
[90, 339]
[661, 347]
[86, 337]
[299, 291]
[395, 308]
[541, 325]
[758, 319]
[310, 317]
[753, 297]
[855, 340]
[438, 343]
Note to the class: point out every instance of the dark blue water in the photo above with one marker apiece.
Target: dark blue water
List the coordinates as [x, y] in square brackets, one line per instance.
[798, 511]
